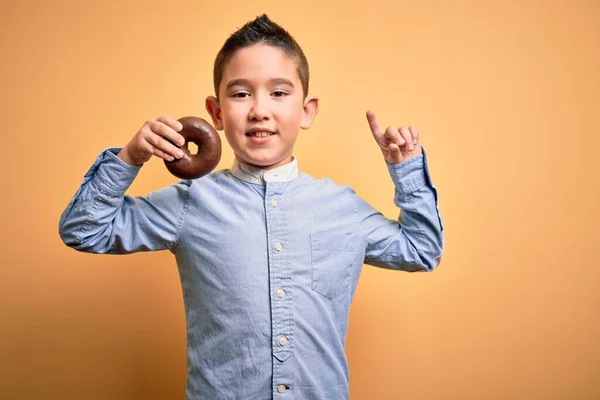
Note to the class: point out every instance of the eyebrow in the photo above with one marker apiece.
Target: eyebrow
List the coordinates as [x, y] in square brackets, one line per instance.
[242, 81]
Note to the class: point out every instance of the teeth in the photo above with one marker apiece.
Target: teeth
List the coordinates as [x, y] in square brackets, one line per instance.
[262, 134]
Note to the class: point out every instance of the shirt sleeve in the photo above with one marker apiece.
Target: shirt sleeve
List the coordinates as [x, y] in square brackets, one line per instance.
[100, 218]
[415, 241]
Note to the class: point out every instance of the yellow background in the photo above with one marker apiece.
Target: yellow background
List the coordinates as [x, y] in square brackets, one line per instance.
[506, 95]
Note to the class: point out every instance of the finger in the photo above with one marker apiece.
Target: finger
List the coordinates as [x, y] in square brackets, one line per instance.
[160, 143]
[405, 132]
[394, 155]
[374, 124]
[171, 122]
[393, 136]
[159, 153]
[415, 134]
[168, 129]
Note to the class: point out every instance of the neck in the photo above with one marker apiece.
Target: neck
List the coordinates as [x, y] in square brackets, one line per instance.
[285, 161]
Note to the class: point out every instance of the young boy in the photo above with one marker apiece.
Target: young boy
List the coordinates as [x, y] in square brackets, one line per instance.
[269, 257]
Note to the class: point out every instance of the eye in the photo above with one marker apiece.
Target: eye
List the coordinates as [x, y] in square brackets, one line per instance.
[279, 93]
[240, 95]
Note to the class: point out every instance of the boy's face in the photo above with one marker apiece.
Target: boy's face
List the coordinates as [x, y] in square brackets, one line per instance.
[261, 106]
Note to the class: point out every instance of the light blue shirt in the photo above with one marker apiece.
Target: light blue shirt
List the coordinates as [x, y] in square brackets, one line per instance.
[268, 261]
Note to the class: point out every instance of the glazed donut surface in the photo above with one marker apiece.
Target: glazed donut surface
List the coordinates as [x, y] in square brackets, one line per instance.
[194, 166]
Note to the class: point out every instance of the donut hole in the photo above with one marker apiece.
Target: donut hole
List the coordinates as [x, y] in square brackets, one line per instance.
[192, 148]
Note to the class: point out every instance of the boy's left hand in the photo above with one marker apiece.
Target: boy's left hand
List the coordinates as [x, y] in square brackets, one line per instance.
[397, 145]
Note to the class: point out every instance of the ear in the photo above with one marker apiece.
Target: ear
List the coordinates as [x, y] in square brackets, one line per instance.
[214, 109]
[309, 112]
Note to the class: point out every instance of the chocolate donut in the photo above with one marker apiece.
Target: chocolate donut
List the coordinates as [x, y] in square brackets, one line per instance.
[193, 166]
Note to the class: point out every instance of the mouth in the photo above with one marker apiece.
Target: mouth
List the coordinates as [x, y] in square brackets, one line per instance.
[259, 133]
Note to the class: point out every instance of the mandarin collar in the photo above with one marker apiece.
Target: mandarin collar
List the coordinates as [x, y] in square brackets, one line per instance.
[285, 173]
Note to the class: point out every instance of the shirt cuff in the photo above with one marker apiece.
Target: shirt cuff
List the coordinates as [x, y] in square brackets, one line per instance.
[112, 174]
[410, 176]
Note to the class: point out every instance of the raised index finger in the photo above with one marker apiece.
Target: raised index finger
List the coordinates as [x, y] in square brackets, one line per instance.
[374, 124]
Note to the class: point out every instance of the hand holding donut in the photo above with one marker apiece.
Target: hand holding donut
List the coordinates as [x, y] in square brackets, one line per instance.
[397, 145]
[168, 139]
[155, 138]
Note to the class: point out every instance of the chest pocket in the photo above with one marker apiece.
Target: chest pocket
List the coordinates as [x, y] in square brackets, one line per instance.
[333, 258]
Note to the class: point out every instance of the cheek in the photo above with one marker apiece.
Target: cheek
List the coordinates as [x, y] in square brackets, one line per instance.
[232, 117]
[233, 140]
[291, 115]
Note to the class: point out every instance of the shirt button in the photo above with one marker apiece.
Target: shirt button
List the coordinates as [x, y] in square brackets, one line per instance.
[280, 293]
[283, 341]
[278, 246]
[281, 388]
[274, 203]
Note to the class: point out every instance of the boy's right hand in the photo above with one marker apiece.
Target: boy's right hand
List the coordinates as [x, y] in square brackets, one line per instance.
[151, 140]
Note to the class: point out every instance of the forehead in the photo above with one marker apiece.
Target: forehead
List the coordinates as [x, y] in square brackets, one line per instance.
[260, 62]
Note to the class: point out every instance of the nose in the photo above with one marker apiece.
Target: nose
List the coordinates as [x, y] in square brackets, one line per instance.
[259, 110]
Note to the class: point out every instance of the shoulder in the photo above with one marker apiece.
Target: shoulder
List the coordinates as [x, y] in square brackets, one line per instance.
[212, 178]
[326, 186]
[218, 184]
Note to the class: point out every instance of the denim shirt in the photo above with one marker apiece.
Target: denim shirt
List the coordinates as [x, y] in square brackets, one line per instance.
[268, 263]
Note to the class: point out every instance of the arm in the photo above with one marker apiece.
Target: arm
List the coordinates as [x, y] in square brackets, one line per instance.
[101, 219]
[415, 242]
